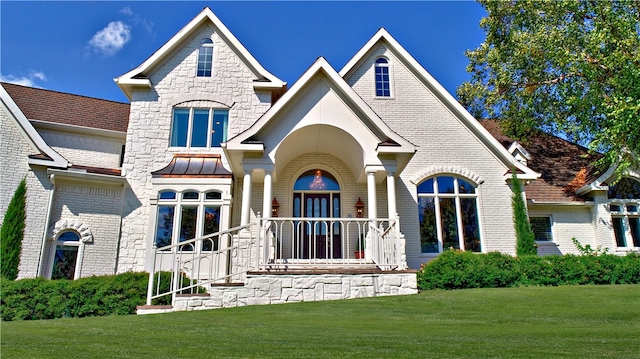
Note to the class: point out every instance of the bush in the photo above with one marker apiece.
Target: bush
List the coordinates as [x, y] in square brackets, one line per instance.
[458, 270]
[12, 232]
[39, 298]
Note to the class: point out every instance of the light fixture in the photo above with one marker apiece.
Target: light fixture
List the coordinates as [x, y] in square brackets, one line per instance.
[359, 208]
[274, 207]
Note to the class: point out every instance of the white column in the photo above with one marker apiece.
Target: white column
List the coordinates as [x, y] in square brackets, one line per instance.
[246, 199]
[391, 194]
[371, 194]
[266, 201]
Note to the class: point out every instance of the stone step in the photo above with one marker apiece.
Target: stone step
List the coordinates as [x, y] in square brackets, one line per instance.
[153, 309]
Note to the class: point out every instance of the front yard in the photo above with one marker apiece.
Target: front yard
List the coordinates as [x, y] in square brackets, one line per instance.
[533, 322]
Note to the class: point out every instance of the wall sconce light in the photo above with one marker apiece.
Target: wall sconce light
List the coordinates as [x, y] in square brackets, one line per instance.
[359, 208]
[274, 207]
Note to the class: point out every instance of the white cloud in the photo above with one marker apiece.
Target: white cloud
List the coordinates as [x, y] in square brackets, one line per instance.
[111, 39]
[126, 11]
[29, 80]
[137, 19]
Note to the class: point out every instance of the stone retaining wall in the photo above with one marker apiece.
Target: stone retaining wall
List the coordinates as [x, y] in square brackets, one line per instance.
[288, 288]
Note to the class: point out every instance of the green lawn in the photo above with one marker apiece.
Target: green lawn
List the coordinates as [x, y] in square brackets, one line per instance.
[536, 322]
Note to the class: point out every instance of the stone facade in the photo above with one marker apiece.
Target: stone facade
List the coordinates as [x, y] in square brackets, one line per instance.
[262, 289]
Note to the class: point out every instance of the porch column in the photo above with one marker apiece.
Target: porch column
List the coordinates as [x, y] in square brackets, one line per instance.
[391, 194]
[371, 194]
[246, 199]
[266, 200]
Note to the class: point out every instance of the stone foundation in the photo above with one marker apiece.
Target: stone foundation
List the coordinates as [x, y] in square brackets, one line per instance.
[264, 288]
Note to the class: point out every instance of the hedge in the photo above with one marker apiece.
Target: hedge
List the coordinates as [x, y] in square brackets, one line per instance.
[40, 298]
[458, 270]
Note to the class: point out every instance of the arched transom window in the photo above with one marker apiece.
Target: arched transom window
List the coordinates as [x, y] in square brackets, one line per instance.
[448, 213]
[65, 260]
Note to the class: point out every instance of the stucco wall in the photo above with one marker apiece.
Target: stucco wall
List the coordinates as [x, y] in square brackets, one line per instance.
[444, 145]
[175, 83]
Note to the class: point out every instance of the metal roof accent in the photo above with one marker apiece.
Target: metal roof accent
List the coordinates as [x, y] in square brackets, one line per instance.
[193, 165]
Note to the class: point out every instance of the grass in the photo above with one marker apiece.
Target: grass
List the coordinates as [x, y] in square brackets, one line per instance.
[528, 322]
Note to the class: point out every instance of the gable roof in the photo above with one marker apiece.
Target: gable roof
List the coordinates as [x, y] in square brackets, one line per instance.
[46, 156]
[138, 77]
[383, 37]
[564, 166]
[63, 108]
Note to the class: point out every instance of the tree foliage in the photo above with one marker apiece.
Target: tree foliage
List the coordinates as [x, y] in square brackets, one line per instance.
[12, 232]
[565, 67]
[525, 239]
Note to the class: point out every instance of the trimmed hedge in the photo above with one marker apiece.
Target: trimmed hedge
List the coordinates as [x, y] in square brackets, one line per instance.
[40, 298]
[458, 270]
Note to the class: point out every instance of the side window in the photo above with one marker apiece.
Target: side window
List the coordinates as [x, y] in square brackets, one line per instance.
[205, 58]
[65, 261]
[448, 214]
[624, 201]
[199, 127]
[383, 86]
[541, 227]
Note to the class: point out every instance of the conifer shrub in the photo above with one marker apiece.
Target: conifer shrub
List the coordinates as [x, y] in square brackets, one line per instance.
[525, 238]
[12, 232]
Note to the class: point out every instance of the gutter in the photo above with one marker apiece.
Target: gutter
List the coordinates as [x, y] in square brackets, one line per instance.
[46, 225]
[533, 202]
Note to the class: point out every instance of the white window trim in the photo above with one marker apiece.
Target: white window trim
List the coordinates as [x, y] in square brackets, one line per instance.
[437, 196]
[77, 273]
[624, 214]
[389, 66]
[190, 126]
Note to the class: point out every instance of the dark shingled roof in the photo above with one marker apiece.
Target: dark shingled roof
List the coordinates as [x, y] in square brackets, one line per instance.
[564, 166]
[58, 107]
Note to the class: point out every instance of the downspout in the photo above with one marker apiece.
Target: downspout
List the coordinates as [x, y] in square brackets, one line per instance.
[46, 224]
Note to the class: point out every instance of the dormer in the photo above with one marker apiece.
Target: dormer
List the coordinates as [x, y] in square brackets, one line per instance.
[519, 152]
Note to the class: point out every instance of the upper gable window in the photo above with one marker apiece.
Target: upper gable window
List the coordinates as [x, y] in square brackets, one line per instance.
[205, 58]
[199, 127]
[383, 87]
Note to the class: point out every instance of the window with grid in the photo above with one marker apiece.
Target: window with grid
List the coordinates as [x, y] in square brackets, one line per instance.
[205, 58]
[199, 127]
[383, 86]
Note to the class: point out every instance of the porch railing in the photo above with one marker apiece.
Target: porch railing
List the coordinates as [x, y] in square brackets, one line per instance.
[301, 241]
[184, 267]
[272, 243]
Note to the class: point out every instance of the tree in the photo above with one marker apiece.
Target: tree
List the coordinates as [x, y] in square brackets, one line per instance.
[12, 232]
[565, 67]
[525, 239]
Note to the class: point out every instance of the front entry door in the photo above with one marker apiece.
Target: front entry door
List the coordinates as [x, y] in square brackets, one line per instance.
[321, 238]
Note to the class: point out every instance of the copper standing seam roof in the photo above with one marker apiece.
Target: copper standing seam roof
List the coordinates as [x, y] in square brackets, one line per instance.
[58, 107]
[564, 166]
[194, 165]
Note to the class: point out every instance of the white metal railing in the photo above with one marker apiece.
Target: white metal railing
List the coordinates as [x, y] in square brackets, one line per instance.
[303, 241]
[220, 257]
[272, 243]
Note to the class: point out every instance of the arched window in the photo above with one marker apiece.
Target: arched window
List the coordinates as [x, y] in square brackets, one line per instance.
[448, 213]
[187, 215]
[65, 261]
[205, 58]
[383, 87]
[624, 202]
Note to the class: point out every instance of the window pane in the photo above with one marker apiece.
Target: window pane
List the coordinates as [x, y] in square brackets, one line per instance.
[382, 78]
[470, 224]
[167, 195]
[445, 184]
[618, 231]
[426, 186]
[541, 227]
[205, 57]
[69, 236]
[191, 195]
[449, 223]
[316, 180]
[200, 128]
[634, 223]
[188, 223]
[213, 195]
[465, 187]
[180, 127]
[614, 208]
[211, 225]
[219, 129]
[164, 227]
[428, 229]
[632, 208]
[64, 263]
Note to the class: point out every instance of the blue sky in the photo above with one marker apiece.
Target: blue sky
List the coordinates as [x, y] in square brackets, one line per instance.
[79, 47]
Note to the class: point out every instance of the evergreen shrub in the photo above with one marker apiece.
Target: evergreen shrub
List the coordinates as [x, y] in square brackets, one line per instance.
[12, 232]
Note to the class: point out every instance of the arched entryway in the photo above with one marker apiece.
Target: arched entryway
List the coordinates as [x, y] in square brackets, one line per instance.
[316, 197]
